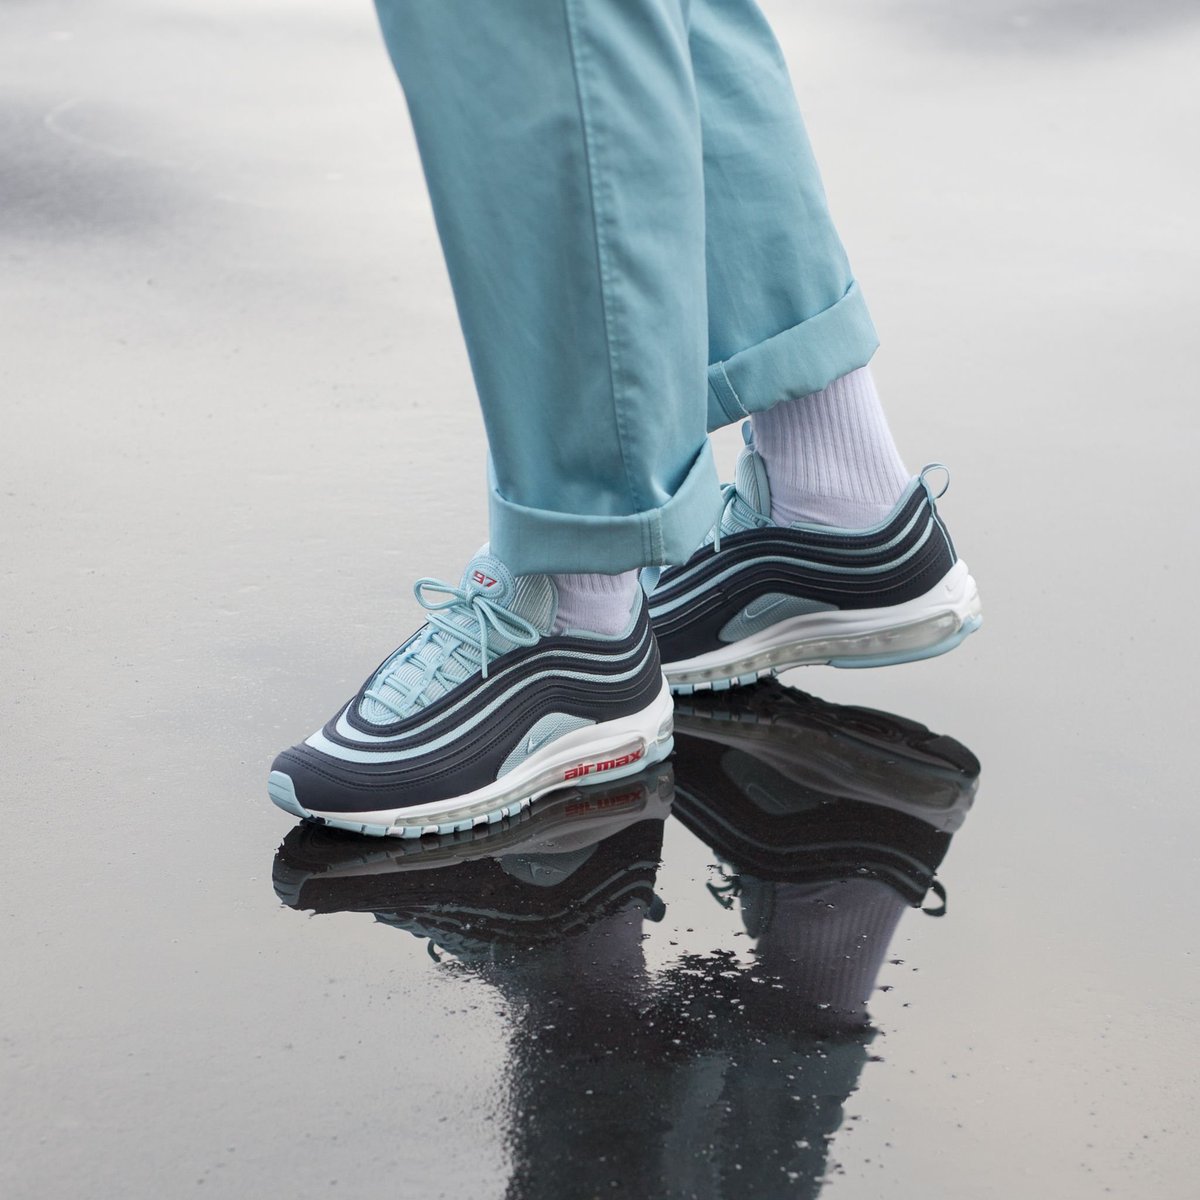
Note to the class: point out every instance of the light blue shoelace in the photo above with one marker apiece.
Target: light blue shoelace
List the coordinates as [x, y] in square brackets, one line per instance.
[730, 498]
[451, 636]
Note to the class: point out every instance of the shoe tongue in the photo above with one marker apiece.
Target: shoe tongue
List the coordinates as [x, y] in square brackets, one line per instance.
[753, 493]
[529, 596]
[486, 575]
[751, 480]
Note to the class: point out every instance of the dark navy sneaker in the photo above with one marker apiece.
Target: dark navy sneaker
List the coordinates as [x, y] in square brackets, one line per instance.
[483, 709]
[760, 598]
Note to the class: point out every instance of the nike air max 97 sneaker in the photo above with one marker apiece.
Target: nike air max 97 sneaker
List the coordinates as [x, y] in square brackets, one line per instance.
[479, 712]
[759, 598]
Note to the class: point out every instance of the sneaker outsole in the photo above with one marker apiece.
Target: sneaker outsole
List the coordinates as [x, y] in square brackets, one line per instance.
[283, 793]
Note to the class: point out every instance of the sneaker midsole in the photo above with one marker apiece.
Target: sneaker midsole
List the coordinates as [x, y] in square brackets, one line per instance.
[818, 637]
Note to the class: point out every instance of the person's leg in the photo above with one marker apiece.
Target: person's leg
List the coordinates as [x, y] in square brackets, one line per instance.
[827, 550]
[561, 144]
[789, 331]
[785, 315]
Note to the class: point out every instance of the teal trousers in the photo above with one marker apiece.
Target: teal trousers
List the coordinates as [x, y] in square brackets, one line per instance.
[640, 251]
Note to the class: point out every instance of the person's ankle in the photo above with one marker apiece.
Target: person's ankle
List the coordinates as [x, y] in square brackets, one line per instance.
[595, 603]
[829, 456]
[840, 512]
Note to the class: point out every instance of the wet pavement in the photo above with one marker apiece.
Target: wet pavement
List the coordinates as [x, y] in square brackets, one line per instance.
[231, 380]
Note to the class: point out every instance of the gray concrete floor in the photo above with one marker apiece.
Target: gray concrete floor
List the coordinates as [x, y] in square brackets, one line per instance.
[230, 375]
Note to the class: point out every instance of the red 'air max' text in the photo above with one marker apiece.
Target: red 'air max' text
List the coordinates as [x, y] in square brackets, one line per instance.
[607, 765]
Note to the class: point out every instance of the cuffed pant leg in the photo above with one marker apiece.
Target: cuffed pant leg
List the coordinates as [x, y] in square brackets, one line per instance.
[785, 316]
[561, 144]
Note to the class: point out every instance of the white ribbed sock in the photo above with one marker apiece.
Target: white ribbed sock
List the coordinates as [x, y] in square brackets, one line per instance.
[830, 456]
[597, 603]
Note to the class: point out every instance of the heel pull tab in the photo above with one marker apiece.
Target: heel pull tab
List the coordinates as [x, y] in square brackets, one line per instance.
[935, 466]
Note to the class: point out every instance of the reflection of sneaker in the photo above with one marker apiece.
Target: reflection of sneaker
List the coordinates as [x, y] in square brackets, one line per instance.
[482, 709]
[570, 859]
[762, 598]
[787, 787]
[826, 752]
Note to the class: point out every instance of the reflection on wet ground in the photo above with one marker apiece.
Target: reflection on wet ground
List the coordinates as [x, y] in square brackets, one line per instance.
[718, 1074]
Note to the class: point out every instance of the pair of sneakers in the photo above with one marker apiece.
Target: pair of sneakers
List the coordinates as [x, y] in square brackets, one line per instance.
[486, 707]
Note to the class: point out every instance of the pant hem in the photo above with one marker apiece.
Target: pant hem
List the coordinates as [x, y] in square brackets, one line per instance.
[794, 363]
[538, 540]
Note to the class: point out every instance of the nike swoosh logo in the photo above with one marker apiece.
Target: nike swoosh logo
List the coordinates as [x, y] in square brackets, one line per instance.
[756, 608]
[536, 740]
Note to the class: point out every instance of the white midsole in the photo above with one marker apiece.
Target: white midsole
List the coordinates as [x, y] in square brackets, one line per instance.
[591, 754]
[817, 637]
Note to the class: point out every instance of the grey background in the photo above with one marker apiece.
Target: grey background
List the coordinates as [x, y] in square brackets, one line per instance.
[237, 421]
